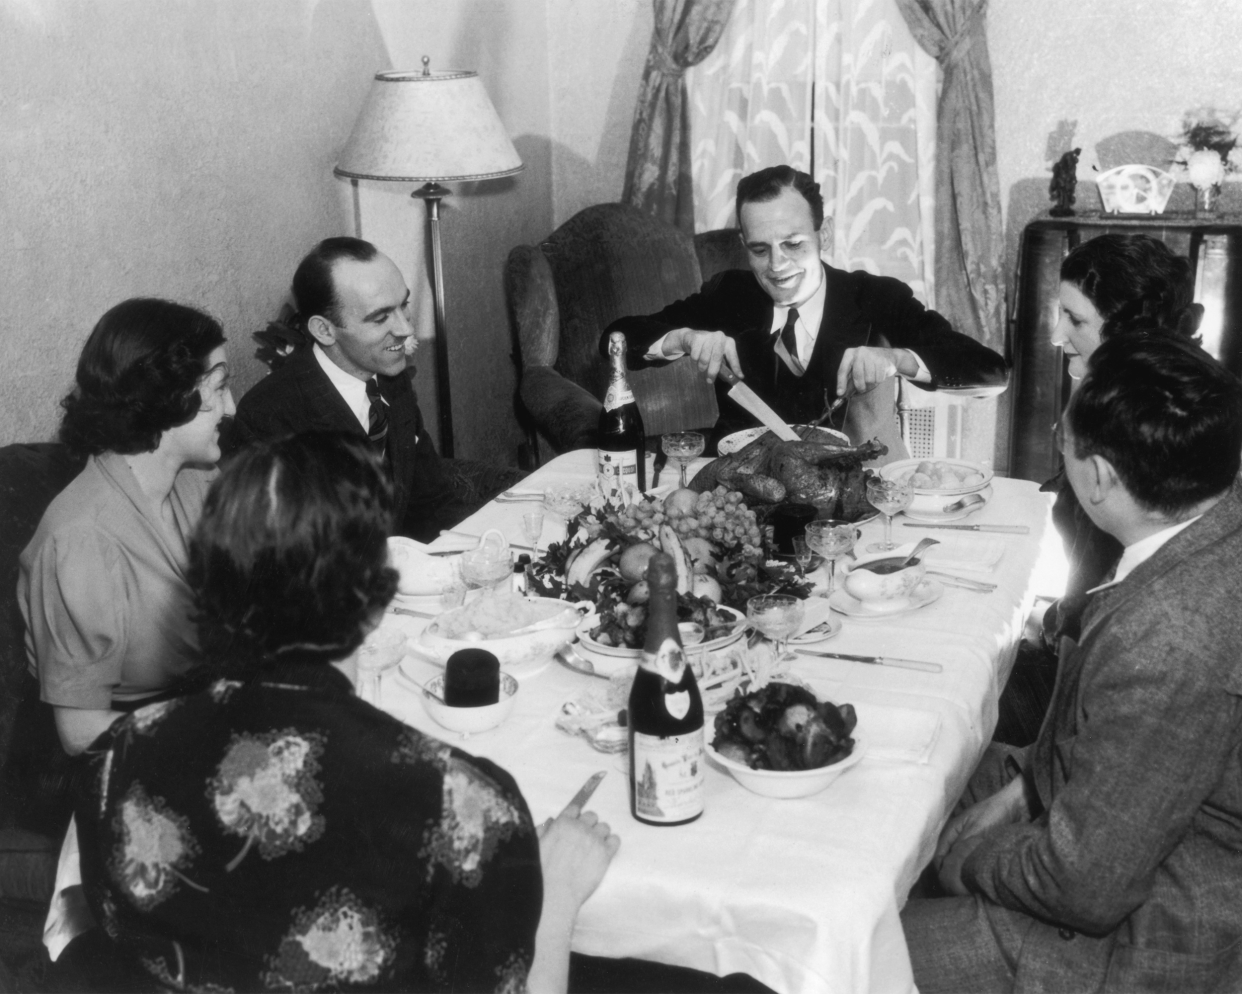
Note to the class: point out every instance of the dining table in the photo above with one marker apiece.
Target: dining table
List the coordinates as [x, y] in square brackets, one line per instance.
[805, 894]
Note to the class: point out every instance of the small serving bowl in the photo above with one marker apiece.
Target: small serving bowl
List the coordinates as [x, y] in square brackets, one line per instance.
[556, 627]
[871, 587]
[786, 785]
[469, 721]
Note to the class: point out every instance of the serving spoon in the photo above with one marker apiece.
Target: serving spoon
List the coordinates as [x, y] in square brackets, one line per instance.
[964, 502]
[893, 563]
[569, 657]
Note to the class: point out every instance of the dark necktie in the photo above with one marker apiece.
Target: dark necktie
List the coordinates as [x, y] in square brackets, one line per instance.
[789, 339]
[377, 420]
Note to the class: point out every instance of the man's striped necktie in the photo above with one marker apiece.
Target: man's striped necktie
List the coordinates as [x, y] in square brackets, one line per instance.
[377, 420]
[789, 339]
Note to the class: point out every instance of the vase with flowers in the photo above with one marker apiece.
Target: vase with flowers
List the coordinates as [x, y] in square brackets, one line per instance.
[1207, 154]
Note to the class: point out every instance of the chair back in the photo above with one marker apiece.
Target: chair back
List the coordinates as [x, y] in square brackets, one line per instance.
[719, 250]
[611, 261]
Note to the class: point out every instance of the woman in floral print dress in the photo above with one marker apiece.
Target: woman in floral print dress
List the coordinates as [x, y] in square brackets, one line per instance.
[275, 832]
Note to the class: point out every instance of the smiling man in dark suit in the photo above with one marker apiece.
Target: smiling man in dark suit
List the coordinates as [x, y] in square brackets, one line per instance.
[802, 333]
[352, 377]
[1111, 860]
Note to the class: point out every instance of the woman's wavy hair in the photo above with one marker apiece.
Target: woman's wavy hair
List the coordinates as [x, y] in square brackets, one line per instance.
[1135, 280]
[290, 559]
[138, 376]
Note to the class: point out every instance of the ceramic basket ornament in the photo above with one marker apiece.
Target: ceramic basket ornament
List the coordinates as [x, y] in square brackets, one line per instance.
[1135, 189]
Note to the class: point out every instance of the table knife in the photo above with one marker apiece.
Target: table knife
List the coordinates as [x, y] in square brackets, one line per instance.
[750, 400]
[905, 664]
[1005, 529]
[588, 788]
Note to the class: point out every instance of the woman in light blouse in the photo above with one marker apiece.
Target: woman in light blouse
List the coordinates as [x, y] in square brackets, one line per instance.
[102, 584]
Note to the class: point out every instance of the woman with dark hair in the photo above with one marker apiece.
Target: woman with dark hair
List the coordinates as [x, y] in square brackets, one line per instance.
[1111, 286]
[273, 831]
[102, 584]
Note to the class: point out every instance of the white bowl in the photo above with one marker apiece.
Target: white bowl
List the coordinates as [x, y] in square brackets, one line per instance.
[469, 721]
[512, 650]
[788, 784]
[609, 659]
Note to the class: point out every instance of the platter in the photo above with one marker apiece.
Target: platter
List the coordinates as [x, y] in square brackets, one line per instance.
[925, 593]
[740, 439]
[903, 467]
[622, 652]
[923, 508]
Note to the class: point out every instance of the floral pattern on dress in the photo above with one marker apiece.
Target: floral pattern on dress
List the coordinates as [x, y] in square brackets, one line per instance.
[265, 790]
[145, 719]
[414, 749]
[513, 975]
[475, 818]
[154, 843]
[339, 941]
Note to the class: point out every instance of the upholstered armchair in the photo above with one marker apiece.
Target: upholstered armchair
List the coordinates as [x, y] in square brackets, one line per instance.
[605, 262]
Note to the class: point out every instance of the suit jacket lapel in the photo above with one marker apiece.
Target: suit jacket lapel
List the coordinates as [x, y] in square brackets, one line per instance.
[841, 327]
[325, 407]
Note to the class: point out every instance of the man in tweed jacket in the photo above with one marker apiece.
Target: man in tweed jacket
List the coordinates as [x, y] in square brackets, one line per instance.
[1114, 861]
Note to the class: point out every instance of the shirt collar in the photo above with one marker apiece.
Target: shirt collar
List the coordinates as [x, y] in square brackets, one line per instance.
[352, 390]
[810, 314]
[1142, 550]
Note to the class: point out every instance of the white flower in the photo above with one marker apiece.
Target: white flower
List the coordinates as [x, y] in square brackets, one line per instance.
[1205, 168]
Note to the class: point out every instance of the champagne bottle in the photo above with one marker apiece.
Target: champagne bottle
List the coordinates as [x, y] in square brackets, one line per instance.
[622, 440]
[667, 774]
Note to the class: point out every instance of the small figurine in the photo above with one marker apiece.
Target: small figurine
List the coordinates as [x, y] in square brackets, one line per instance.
[1064, 181]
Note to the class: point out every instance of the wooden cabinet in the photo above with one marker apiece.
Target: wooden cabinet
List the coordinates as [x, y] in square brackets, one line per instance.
[1039, 381]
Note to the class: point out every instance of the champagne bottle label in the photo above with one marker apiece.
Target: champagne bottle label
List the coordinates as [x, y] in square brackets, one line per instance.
[668, 776]
[619, 393]
[668, 661]
[615, 469]
[677, 705]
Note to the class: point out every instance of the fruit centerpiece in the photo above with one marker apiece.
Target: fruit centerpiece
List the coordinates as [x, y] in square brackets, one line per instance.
[717, 550]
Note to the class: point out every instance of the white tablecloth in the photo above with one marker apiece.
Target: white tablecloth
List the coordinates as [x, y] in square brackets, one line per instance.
[803, 895]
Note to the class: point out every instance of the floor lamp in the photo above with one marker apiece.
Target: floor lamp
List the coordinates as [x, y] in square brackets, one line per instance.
[433, 128]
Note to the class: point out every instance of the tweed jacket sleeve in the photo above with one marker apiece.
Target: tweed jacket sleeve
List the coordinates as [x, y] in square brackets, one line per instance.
[1137, 765]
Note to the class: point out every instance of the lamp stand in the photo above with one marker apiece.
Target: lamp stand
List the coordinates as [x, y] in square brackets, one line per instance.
[431, 194]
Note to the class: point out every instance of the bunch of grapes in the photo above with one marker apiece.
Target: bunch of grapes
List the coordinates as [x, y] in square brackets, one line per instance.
[718, 516]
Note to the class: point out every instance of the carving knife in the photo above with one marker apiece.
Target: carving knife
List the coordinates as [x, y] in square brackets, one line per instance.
[748, 399]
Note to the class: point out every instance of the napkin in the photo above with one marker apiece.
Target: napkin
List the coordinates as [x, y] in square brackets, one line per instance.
[817, 612]
[961, 552]
[421, 574]
[897, 734]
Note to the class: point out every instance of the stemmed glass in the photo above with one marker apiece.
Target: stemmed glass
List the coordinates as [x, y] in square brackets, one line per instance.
[485, 566]
[802, 554]
[777, 616]
[832, 540]
[532, 530]
[683, 446]
[889, 497]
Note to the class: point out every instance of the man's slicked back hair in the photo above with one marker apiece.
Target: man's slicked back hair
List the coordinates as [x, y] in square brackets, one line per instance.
[1165, 414]
[768, 184]
[314, 292]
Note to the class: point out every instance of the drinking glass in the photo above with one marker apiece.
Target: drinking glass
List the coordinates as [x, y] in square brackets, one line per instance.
[802, 554]
[777, 616]
[382, 648]
[532, 529]
[489, 564]
[889, 497]
[832, 540]
[683, 446]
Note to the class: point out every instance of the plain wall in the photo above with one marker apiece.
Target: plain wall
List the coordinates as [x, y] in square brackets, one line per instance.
[184, 148]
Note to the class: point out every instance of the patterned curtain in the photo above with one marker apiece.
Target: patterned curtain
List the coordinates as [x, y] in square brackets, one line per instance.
[853, 70]
[657, 175]
[969, 232]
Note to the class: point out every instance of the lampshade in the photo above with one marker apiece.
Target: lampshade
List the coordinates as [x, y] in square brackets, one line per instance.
[428, 126]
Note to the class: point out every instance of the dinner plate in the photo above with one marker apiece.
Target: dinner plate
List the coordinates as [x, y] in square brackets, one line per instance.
[898, 469]
[927, 512]
[740, 439]
[925, 593]
[622, 652]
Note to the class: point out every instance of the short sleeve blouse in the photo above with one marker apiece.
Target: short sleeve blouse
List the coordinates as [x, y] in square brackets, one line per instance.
[102, 588]
[281, 834]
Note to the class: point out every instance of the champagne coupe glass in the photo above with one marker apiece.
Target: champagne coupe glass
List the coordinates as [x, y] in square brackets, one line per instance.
[889, 497]
[802, 554]
[777, 616]
[832, 540]
[532, 530]
[683, 446]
